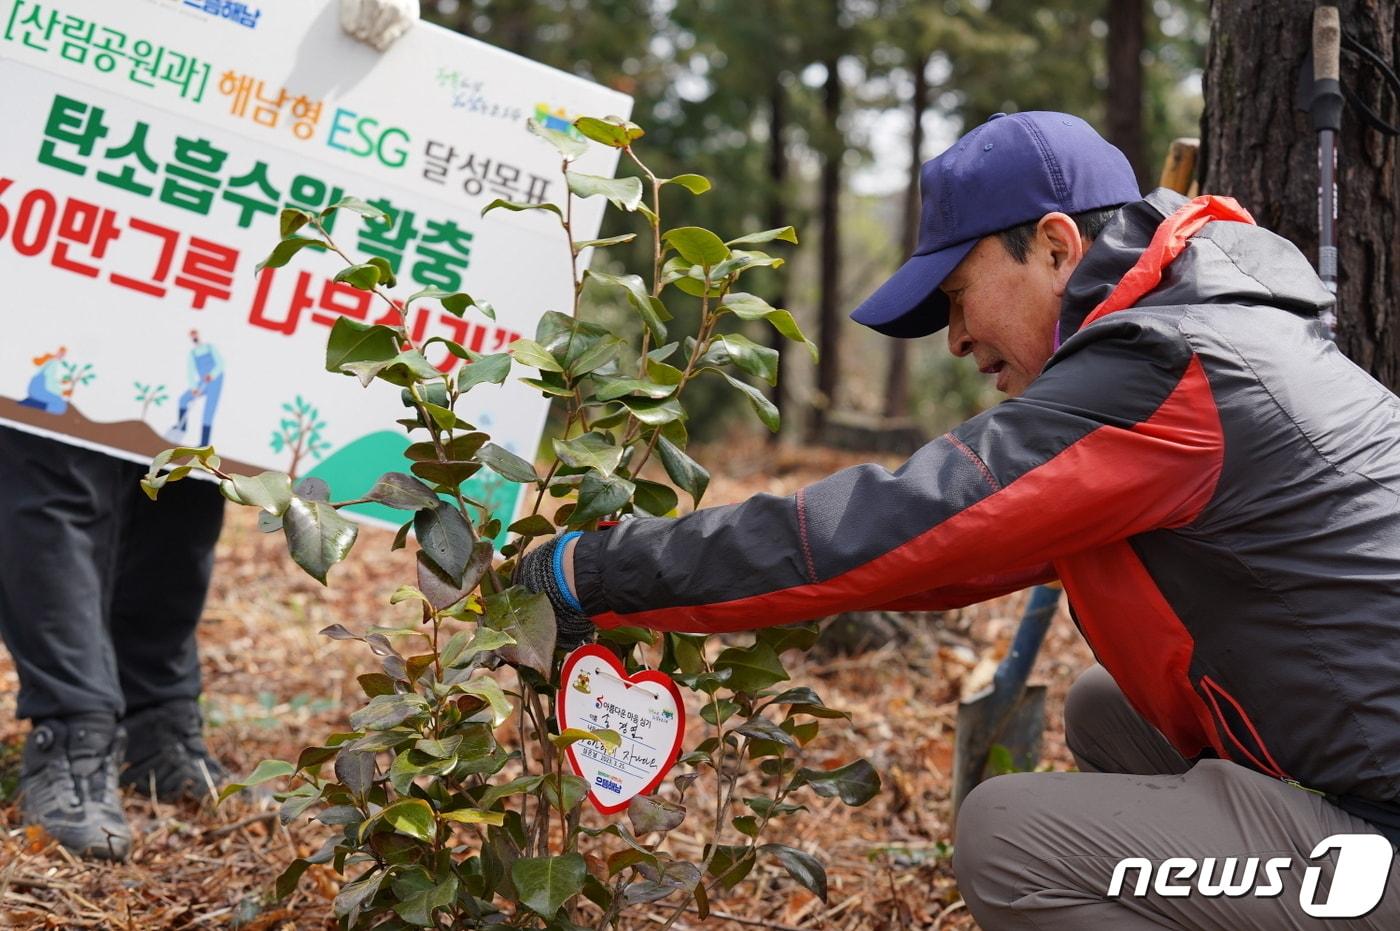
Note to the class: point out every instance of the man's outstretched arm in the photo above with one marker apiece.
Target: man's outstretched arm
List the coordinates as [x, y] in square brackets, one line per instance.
[1117, 437]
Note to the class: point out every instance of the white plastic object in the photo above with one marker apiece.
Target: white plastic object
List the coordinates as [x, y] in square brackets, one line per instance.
[378, 22]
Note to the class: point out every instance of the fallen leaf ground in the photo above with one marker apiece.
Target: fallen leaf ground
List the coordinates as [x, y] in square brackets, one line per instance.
[273, 685]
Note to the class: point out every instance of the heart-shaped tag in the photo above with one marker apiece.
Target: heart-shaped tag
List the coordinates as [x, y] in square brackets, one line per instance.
[596, 694]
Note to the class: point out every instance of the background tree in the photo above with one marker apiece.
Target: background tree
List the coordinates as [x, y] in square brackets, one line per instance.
[1125, 76]
[1263, 151]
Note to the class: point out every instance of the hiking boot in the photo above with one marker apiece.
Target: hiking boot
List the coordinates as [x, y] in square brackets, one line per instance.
[68, 784]
[166, 758]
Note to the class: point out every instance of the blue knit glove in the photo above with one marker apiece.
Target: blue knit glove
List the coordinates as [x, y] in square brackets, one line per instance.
[542, 570]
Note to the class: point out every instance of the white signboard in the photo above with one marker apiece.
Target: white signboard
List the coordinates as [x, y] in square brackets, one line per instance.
[147, 148]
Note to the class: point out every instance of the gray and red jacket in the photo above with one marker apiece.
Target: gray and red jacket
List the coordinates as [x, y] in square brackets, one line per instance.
[1215, 484]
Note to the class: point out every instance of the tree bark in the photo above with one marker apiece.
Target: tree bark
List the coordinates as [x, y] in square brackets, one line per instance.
[1124, 123]
[828, 316]
[897, 375]
[1261, 150]
[777, 213]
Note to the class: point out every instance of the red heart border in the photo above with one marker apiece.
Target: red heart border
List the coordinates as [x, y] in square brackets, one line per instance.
[647, 675]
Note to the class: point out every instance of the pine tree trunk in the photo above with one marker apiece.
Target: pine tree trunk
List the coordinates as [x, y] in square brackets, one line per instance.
[829, 317]
[897, 376]
[1262, 151]
[777, 212]
[1124, 123]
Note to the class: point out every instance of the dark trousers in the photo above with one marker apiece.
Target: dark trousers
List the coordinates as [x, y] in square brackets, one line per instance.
[1038, 851]
[100, 587]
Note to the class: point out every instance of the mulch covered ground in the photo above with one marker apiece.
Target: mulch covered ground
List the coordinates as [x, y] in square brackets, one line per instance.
[273, 686]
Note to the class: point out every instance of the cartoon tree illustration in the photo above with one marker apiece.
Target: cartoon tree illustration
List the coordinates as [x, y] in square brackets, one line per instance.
[148, 395]
[75, 375]
[300, 432]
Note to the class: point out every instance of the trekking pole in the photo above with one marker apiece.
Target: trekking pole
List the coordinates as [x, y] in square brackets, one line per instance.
[1327, 120]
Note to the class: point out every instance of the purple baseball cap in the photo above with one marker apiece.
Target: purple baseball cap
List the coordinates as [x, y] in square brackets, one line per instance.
[1010, 170]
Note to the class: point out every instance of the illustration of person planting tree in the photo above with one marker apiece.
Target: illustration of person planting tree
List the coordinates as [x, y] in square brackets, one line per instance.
[47, 389]
[205, 372]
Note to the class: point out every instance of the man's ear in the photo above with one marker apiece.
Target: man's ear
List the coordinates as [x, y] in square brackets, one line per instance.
[1061, 248]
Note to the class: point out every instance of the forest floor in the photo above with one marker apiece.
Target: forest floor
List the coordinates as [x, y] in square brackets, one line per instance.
[273, 686]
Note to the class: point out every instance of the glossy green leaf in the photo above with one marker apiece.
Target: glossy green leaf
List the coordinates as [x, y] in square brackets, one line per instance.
[474, 816]
[544, 884]
[318, 537]
[529, 620]
[489, 689]
[532, 525]
[419, 907]
[612, 131]
[386, 711]
[355, 895]
[751, 669]
[386, 271]
[355, 770]
[622, 193]
[654, 411]
[580, 245]
[445, 537]
[696, 245]
[856, 783]
[614, 388]
[695, 184]
[292, 219]
[356, 205]
[487, 370]
[589, 451]
[411, 817]
[751, 307]
[507, 464]
[653, 313]
[288, 879]
[282, 252]
[730, 864]
[364, 277]
[785, 233]
[758, 361]
[801, 866]
[655, 498]
[515, 207]
[401, 491]
[650, 813]
[598, 497]
[765, 409]
[528, 352]
[688, 474]
[270, 492]
[353, 341]
[265, 771]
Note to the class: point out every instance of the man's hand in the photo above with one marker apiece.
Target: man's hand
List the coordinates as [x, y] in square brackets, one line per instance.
[542, 570]
[378, 22]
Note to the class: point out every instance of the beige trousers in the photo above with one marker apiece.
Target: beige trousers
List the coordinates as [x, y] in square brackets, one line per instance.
[1043, 851]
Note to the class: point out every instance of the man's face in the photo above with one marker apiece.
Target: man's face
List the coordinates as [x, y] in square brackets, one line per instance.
[1003, 312]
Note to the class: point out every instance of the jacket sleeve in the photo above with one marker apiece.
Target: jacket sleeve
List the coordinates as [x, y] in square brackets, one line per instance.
[1119, 435]
[971, 591]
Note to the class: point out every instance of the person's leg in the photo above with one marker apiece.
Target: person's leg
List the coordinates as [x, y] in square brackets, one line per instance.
[1106, 735]
[1039, 852]
[58, 550]
[162, 581]
[59, 537]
